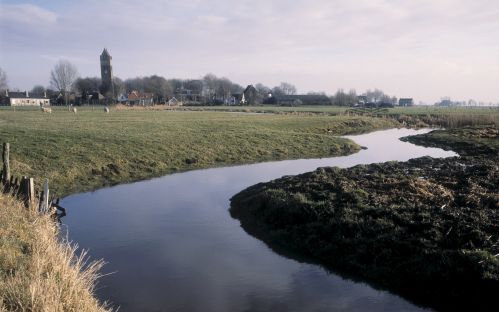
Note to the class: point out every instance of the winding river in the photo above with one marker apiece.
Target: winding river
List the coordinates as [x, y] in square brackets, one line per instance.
[171, 244]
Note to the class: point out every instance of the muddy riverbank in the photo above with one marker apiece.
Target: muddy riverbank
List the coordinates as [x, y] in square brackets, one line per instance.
[427, 229]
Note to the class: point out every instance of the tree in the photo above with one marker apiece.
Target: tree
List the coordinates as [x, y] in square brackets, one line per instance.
[375, 96]
[284, 89]
[38, 89]
[3, 80]
[63, 77]
[263, 91]
[209, 86]
[87, 85]
[287, 88]
[119, 86]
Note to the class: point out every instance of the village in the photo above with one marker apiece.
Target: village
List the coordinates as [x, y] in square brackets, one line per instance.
[156, 90]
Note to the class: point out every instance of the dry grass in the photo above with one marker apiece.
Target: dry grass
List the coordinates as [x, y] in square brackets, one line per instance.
[37, 272]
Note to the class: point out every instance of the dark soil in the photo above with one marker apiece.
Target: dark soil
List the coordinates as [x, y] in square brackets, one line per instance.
[427, 229]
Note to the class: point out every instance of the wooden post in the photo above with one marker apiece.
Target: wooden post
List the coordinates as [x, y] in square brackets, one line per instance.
[31, 193]
[44, 198]
[6, 163]
[28, 191]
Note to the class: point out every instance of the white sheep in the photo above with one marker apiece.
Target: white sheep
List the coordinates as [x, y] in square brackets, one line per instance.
[106, 110]
[73, 109]
[46, 110]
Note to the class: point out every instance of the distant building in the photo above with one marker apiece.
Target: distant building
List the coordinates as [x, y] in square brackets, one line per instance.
[446, 102]
[174, 102]
[362, 100]
[122, 98]
[106, 72]
[24, 99]
[250, 96]
[138, 98]
[93, 97]
[299, 99]
[406, 102]
[189, 96]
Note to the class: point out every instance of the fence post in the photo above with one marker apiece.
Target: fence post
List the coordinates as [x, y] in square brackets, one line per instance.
[31, 192]
[6, 164]
[44, 198]
[28, 191]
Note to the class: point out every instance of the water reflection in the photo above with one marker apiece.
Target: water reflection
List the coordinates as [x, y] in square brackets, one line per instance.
[174, 246]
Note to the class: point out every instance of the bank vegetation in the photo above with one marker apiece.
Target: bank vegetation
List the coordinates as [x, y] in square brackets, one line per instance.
[38, 272]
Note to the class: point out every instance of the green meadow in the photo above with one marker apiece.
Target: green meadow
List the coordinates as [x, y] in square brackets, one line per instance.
[91, 149]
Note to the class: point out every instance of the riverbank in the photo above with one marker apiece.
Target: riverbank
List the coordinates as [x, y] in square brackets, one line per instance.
[91, 149]
[426, 229]
[37, 272]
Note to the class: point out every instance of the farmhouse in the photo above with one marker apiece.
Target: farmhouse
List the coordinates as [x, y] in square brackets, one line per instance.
[139, 98]
[406, 102]
[250, 96]
[25, 99]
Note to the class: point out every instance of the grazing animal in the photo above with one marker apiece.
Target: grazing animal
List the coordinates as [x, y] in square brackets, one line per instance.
[73, 109]
[46, 110]
[106, 110]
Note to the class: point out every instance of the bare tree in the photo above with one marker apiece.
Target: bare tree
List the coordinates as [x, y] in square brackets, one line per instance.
[287, 88]
[284, 89]
[263, 90]
[119, 86]
[63, 77]
[3, 80]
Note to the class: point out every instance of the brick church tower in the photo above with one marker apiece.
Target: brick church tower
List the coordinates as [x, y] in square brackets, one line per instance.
[106, 72]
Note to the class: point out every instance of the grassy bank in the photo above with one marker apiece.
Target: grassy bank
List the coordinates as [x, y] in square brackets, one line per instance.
[426, 229]
[38, 273]
[90, 149]
[416, 116]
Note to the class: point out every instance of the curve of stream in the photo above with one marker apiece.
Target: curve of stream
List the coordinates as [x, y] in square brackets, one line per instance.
[172, 245]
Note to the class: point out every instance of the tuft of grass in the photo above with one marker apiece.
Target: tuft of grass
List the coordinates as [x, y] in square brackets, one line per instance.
[38, 272]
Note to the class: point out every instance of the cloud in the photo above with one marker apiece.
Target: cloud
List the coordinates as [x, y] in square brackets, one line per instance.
[325, 43]
[26, 14]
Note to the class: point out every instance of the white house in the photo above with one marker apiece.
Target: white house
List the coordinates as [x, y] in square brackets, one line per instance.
[26, 99]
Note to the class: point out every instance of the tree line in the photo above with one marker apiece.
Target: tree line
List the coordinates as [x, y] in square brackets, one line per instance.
[210, 89]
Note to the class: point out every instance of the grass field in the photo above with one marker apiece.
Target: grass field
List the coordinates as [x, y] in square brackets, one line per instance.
[414, 110]
[90, 149]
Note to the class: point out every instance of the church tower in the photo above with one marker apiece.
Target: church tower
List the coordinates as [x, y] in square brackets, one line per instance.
[106, 72]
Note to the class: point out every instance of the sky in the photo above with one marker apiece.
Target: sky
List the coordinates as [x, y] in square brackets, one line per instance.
[425, 49]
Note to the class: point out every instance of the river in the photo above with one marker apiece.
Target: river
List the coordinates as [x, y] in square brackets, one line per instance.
[171, 245]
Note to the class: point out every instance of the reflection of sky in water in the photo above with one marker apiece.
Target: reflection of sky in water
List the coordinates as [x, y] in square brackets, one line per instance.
[174, 246]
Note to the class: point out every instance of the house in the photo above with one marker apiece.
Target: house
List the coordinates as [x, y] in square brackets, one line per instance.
[122, 98]
[174, 102]
[446, 102]
[94, 97]
[406, 102]
[299, 99]
[250, 96]
[362, 100]
[25, 99]
[137, 98]
[189, 96]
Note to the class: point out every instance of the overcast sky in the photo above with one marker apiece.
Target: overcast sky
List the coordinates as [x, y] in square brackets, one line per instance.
[424, 49]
